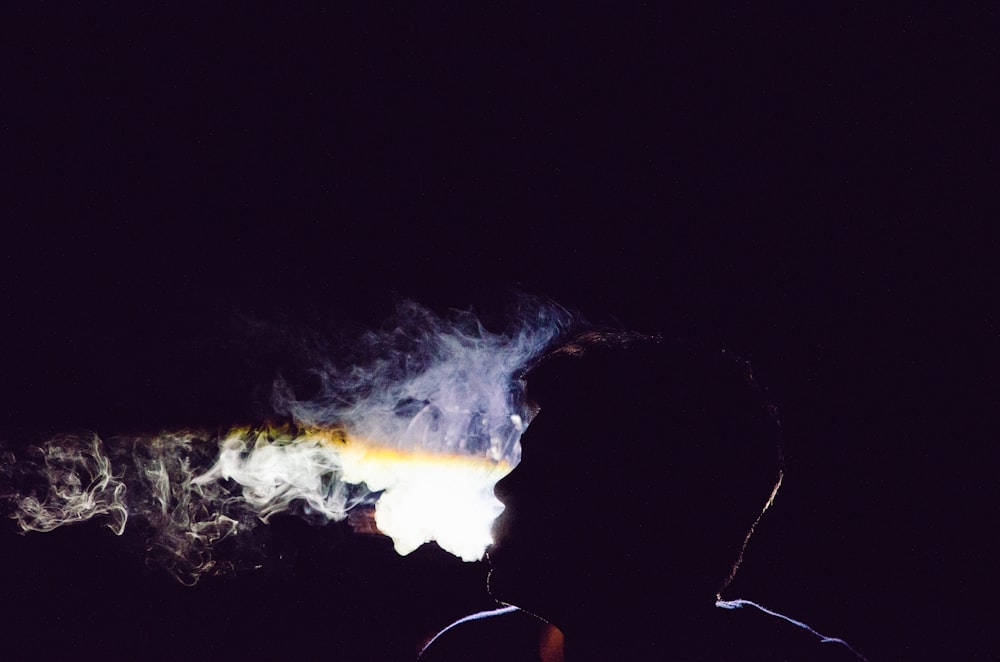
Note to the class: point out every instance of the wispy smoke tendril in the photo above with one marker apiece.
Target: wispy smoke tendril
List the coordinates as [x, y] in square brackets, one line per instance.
[428, 403]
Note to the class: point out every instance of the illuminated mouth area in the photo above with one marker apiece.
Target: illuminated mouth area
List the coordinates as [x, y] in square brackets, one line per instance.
[504, 545]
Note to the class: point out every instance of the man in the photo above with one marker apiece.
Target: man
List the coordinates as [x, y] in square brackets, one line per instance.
[643, 474]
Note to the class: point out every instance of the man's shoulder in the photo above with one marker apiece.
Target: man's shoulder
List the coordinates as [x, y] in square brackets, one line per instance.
[744, 630]
[507, 634]
[757, 628]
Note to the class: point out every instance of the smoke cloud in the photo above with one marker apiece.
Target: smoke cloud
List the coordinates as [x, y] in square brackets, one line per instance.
[417, 421]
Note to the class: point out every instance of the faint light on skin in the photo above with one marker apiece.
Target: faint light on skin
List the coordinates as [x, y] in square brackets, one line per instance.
[551, 644]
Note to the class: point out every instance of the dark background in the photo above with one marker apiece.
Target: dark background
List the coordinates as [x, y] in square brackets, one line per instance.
[811, 188]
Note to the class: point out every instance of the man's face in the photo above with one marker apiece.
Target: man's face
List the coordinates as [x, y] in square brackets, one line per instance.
[631, 482]
[552, 536]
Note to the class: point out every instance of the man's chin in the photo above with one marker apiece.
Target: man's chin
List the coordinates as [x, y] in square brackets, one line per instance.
[513, 584]
[517, 590]
[496, 582]
[503, 584]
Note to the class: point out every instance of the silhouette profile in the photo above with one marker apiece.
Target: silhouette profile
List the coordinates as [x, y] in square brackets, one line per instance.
[642, 476]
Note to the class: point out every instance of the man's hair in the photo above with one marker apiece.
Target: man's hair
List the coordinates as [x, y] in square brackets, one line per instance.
[682, 422]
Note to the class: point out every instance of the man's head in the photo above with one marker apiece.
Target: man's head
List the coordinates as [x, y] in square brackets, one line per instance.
[646, 467]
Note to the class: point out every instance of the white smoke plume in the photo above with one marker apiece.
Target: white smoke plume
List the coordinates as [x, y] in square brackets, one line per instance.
[418, 421]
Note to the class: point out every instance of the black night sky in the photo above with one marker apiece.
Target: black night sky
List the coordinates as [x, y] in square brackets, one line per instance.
[814, 189]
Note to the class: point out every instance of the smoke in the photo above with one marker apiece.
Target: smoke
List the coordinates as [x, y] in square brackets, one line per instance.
[417, 421]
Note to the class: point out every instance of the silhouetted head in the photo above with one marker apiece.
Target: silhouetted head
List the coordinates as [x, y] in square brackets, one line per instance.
[643, 473]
